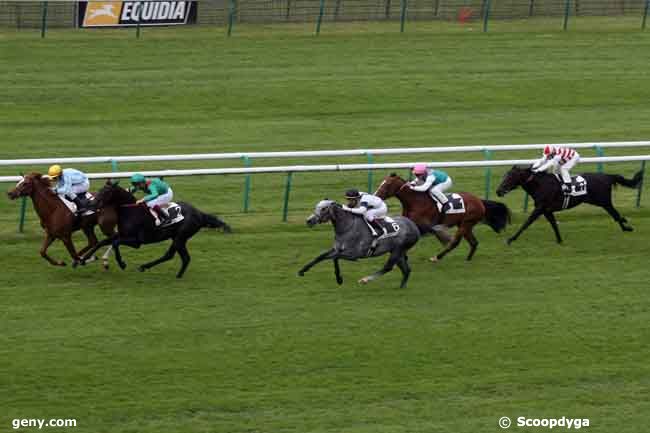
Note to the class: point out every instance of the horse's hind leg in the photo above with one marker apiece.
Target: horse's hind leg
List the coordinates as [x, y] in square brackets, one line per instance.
[165, 257]
[337, 271]
[618, 218]
[403, 265]
[185, 258]
[46, 244]
[394, 258]
[67, 241]
[453, 244]
[473, 243]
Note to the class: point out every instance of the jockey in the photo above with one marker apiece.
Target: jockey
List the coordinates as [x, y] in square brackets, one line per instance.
[369, 206]
[71, 184]
[158, 194]
[436, 182]
[562, 158]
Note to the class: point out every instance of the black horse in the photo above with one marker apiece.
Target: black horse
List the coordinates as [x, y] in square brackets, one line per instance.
[547, 193]
[136, 226]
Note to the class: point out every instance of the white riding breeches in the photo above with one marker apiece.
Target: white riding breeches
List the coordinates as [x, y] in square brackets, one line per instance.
[438, 191]
[379, 212]
[79, 188]
[564, 168]
[162, 199]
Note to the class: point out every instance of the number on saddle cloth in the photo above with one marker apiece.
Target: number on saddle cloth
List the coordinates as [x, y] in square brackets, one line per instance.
[578, 185]
[456, 201]
[389, 226]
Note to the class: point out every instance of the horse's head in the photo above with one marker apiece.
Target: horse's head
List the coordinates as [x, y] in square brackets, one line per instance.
[515, 177]
[390, 186]
[112, 194]
[322, 212]
[26, 186]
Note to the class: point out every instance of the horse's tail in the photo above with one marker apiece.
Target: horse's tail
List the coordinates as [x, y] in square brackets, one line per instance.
[497, 215]
[214, 222]
[630, 183]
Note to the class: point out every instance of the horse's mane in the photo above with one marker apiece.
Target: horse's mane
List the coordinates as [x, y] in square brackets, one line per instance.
[42, 180]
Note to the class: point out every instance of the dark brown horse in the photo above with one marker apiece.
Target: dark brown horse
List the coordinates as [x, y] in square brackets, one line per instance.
[420, 208]
[58, 221]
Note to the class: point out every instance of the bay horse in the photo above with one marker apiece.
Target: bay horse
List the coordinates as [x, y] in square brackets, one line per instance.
[421, 209]
[58, 221]
[547, 193]
[353, 240]
[136, 226]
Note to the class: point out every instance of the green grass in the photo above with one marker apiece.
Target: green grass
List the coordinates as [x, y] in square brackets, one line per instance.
[242, 344]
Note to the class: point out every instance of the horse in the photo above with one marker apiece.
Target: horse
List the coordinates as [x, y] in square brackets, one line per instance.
[136, 226]
[421, 209]
[353, 240]
[546, 191]
[58, 221]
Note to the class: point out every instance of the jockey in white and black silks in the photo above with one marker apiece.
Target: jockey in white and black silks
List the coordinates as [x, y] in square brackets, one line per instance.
[369, 206]
[560, 159]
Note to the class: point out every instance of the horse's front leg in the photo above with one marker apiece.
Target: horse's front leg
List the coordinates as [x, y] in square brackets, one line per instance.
[537, 212]
[329, 254]
[551, 219]
[46, 244]
[337, 271]
[94, 249]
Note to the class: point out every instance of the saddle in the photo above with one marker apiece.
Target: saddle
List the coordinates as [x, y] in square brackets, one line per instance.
[578, 185]
[388, 225]
[457, 204]
[73, 207]
[173, 210]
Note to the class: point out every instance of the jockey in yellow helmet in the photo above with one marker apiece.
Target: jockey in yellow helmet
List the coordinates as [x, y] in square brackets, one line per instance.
[71, 184]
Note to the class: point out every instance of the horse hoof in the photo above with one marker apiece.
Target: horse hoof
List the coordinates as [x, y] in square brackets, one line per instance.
[434, 259]
[122, 266]
[339, 281]
[75, 264]
[509, 241]
[60, 263]
[628, 229]
[105, 266]
[141, 269]
[227, 229]
[364, 280]
[301, 274]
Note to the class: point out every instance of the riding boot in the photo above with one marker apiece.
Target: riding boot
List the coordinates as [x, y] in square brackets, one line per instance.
[378, 228]
[566, 188]
[82, 204]
[445, 207]
[163, 216]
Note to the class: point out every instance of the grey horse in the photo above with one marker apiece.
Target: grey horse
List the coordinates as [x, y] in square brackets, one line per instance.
[353, 240]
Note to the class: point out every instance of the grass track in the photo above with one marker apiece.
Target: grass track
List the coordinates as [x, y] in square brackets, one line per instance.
[241, 344]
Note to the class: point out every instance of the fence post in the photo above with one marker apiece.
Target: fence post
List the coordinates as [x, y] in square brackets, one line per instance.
[231, 15]
[287, 190]
[247, 184]
[567, 6]
[531, 8]
[402, 15]
[436, 7]
[525, 202]
[488, 173]
[645, 14]
[486, 15]
[114, 165]
[43, 19]
[370, 182]
[639, 191]
[288, 9]
[600, 152]
[23, 208]
[387, 10]
[321, 10]
[337, 9]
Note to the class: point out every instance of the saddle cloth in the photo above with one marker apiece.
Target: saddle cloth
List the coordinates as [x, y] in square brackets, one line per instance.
[456, 201]
[389, 225]
[175, 215]
[578, 185]
[73, 207]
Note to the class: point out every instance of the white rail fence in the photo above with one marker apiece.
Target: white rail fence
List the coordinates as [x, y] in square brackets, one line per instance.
[289, 170]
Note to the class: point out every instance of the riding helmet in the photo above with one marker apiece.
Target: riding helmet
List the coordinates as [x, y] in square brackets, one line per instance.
[352, 193]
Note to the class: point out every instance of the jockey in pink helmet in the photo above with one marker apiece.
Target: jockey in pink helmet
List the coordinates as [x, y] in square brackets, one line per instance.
[560, 159]
[436, 182]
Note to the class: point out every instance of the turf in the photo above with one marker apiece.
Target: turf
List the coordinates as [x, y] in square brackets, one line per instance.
[244, 345]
